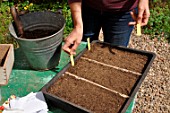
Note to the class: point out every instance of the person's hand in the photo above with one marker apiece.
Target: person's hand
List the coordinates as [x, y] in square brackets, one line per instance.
[143, 13]
[73, 40]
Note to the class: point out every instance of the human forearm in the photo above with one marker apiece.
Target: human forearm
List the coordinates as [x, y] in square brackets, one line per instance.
[73, 40]
[76, 14]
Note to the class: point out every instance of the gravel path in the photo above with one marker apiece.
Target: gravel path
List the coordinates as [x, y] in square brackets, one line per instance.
[154, 93]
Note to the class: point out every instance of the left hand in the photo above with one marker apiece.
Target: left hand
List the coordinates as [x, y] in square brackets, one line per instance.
[143, 13]
[73, 40]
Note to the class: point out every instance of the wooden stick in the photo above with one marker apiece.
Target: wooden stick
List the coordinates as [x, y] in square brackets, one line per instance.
[91, 82]
[107, 65]
[138, 30]
[88, 44]
[17, 21]
[72, 60]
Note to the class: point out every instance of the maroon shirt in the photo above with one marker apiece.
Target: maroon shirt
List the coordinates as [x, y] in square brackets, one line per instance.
[110, 5]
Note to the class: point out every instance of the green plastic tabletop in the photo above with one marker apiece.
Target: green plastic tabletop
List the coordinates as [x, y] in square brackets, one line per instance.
[24, 80]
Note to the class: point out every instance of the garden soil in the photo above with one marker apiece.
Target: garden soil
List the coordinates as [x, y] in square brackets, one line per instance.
[109, 77]
[116, 57]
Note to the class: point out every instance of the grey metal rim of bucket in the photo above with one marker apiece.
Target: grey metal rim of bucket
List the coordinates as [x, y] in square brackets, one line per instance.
[12, 31]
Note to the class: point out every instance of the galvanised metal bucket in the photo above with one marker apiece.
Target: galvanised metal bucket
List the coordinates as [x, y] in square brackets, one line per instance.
[42, 53]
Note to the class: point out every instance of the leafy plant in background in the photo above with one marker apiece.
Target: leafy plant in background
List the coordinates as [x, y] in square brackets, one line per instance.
[5, 20]
[159, 22]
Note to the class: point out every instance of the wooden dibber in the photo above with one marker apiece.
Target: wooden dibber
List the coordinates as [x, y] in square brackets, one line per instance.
[88, 44]
[72, 60]
[138, 30]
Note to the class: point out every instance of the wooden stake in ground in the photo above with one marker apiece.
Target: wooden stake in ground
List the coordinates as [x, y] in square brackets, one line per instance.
[88, 43]
[72, 60]
[138, 30]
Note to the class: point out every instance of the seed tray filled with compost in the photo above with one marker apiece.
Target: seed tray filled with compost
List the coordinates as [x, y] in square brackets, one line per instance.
[104, 79]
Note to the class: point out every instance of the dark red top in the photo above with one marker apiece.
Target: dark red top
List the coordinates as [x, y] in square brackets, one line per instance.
[110, 5]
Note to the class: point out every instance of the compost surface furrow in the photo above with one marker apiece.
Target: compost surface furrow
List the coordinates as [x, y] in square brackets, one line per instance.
[115, 67]
[91, 82]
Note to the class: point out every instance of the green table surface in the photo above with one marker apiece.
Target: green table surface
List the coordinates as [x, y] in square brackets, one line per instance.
[24, 80]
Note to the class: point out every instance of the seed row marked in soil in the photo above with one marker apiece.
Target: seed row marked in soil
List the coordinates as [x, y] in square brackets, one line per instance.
[115, 67]
[91, 82]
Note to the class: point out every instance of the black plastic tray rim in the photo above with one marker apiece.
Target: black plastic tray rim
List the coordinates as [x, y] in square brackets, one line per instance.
[78, 109]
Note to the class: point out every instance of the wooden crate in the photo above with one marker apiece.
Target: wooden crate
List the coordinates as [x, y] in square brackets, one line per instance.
[6, 62]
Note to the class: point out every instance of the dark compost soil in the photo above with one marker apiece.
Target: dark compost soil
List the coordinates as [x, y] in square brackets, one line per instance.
[86, 95]
[116, 57]
[95, 98]
[3, 52]
[38, 33]
[111, 78]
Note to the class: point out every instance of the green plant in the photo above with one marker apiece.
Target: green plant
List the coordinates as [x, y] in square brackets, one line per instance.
[159, 22]
[5, 19]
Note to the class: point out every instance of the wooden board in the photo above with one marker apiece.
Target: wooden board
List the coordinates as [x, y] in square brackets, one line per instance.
[3, 51]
